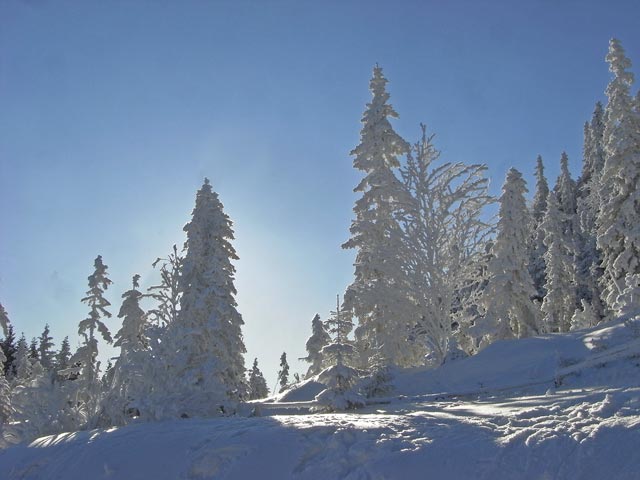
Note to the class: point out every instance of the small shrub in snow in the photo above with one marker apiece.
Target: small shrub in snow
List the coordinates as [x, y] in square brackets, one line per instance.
[378, 383]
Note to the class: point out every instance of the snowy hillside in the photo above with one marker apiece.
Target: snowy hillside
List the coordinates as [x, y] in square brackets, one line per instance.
[552, 407]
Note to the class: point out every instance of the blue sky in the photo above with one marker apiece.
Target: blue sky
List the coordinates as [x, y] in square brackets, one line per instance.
[112, 113]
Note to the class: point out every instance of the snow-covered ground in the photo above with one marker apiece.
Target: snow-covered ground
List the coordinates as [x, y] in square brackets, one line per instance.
[553, 407]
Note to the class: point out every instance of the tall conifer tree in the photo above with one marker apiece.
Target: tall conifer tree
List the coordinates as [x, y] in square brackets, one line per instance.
[539, 207]
[377, 294]
[618, 235]
[205, 357]
[507, 298]
[559, 303]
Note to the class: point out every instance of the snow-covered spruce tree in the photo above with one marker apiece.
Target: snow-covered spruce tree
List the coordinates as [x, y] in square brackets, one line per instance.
[537, 250]
[63, 355]
[129, 377]
[7, 434]
[318, 339]
[257, 384]
[618, 235]
[559, 303]
[204, 346]
[4, 321]
[86, 388]
[444, 243]
[340, 378]
[340, 349]
[45, 353]
[507, 298]
[33, 349]
[588, 205]
[131, 338]
[584, 317]
[377, 296]
[6, 411]
[283, 373]
[9, 351]
[23, 363]
[566, 193]
[539, 206]
[593, 159]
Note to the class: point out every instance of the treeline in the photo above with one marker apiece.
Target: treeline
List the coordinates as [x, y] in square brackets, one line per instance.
[434, 281]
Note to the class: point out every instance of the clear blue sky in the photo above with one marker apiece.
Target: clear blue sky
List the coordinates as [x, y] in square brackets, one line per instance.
[111, 114]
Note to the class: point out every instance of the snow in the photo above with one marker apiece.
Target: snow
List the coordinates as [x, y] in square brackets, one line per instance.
[563, 406]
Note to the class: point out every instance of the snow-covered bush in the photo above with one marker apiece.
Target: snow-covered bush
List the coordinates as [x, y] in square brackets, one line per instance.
[340, 393]
[585, 317]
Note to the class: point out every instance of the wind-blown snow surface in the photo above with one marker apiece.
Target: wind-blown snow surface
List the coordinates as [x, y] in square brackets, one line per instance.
[554, 407]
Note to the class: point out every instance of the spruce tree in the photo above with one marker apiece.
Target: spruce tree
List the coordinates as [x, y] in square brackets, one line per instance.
[84, 362]
[44, 349]
[537, 250]
[9, 351]
[4, 321]
[6, 408]
[592, 153]
[257, 384]
[339, 324]
[283, 373]
[205, 356]
[566, 194]
[559, 303]
[131, 337]
[33, 349]
[507, 299]
[23, 365]
[318, 339]
[588, 205]
[340, 378]
[63, 356]
[618, 236]
[127, 380]
[539, 206]
[377, 295]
